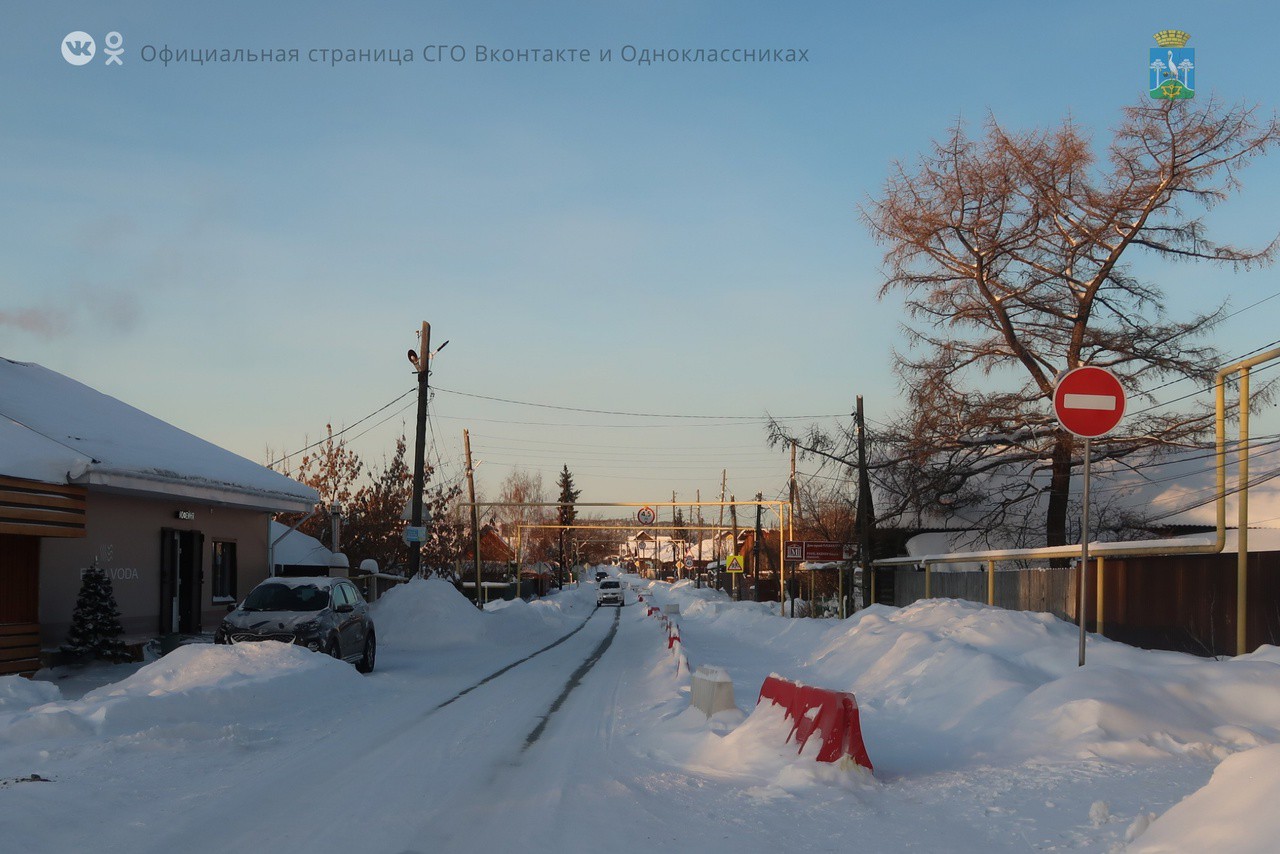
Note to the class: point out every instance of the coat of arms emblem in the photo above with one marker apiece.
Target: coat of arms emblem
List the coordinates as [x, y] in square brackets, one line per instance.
[1173, 67]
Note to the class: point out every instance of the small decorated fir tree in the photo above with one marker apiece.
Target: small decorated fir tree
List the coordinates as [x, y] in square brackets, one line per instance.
[95, 624]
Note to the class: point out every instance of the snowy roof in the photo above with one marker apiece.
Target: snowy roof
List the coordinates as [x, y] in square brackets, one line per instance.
[294, 548]
[56, 430]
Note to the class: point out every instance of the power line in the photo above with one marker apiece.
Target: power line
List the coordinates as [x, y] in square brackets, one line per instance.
[343, 430]
[1257, 481]
[471, 419]
[636, 414]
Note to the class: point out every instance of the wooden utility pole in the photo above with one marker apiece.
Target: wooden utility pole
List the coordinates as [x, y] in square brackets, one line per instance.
[737, 577]
[755, 549]
[675, 561]
[701, 537]
[866, 512]
[422, 361]
[715, 547]
[792, 529]
[475, 512]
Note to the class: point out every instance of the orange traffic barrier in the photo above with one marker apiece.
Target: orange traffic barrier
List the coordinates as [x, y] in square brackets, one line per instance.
[832, 714]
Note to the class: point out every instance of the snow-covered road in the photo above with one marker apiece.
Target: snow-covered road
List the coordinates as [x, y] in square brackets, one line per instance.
[984, 735]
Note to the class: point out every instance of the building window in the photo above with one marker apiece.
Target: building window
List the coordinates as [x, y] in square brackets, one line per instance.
[224, 571]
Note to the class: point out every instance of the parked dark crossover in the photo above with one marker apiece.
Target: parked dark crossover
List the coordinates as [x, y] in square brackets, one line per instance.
[323, 614]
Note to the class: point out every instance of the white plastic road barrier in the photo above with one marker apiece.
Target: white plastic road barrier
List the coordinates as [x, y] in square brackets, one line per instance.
[712, 690]
[672, 608]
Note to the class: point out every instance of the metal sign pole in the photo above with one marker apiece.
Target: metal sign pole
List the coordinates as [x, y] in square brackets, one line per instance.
[1084, 550]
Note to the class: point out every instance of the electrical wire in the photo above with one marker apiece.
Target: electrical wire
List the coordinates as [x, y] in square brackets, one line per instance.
[636, 414]
[273, 463]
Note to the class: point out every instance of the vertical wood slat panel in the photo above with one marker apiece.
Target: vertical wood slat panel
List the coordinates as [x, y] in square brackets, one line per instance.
[19, 604]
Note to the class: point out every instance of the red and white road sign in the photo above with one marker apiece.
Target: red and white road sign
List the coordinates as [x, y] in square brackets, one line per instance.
[1088, 401]
[646, 516]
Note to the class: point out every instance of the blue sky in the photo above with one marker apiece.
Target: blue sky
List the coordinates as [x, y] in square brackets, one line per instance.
[247, 250]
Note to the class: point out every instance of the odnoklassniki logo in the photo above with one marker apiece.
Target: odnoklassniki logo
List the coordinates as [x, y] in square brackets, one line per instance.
[1173, 67]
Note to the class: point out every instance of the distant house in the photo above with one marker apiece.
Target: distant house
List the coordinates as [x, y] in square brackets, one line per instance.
[493, 548]
[179, 524]
[294, 553]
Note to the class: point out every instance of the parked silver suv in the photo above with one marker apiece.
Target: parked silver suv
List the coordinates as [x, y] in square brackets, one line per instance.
[323, 614]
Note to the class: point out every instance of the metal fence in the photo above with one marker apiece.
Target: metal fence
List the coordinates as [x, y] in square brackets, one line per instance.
[1179, 602]
[1049, 589]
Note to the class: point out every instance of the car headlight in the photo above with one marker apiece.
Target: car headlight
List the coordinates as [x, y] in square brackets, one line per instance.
[308, 634]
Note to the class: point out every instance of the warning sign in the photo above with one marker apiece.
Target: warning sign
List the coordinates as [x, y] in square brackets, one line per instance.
[733, 563]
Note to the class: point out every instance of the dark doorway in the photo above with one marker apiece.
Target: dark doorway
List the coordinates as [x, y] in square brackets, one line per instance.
[19, 604]
[181, 581]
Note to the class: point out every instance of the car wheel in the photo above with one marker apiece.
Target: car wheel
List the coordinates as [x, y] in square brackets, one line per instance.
[370, 654]
[334, 650]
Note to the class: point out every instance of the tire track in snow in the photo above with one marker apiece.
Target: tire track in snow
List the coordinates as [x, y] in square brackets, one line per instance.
[492, 676]
[574, 679]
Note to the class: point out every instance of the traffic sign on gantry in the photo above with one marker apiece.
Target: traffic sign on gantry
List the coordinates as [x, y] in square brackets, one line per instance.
[1088, 402]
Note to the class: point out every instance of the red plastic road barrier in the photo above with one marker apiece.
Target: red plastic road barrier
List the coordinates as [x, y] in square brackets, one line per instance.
[834, 714]
[672, 639]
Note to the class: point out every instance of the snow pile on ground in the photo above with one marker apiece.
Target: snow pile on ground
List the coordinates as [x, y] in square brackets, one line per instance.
[1005, 683]
[426, 613]
[17, 693]
[537, 617]
[200, 685]
[946, 686]
[987, 684]
[1235, 812]
[430, 614]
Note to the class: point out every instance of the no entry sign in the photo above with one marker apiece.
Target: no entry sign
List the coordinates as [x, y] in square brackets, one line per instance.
[1088, 402]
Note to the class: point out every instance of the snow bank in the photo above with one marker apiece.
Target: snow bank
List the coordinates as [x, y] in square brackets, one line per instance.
[981, 682]
[519, 618]
[199, 689]
[19, 694]
[426, 613]
[1235, 812]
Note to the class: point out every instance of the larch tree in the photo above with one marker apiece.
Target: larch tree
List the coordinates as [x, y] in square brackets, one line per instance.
[1014, 257]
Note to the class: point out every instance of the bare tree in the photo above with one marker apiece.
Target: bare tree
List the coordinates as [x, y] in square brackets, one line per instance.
[1013, 256]
[520, 486]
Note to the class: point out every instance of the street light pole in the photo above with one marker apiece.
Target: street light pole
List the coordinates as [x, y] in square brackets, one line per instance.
[423, 364]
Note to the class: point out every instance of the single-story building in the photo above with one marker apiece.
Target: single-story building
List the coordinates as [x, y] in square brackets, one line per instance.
[180, 525]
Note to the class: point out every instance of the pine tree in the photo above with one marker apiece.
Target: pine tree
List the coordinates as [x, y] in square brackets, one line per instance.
[95, 623]
[567, 514]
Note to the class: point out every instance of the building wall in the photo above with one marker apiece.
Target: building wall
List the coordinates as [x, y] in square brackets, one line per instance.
[123, 536]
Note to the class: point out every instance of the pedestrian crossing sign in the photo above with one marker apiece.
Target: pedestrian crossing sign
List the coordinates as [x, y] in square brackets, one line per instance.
[733, 563]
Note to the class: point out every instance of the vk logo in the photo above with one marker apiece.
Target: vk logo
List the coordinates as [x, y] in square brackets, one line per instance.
[78, 48]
